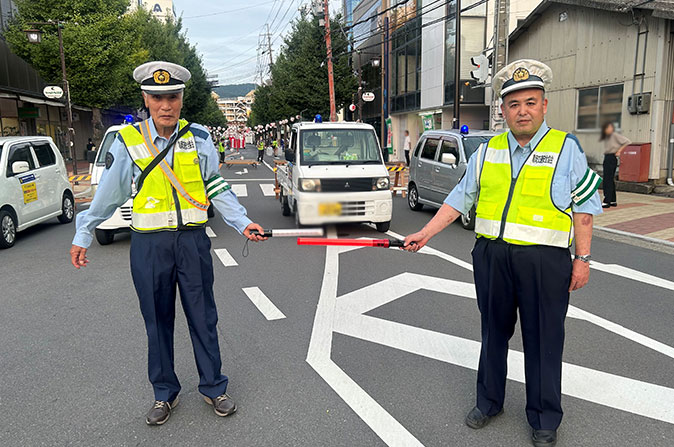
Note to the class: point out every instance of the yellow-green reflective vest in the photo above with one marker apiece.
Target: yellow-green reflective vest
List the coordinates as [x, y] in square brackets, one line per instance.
[520, 210]
[169, 197]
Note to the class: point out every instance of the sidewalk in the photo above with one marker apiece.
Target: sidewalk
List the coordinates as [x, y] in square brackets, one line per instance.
[645, 215]
[82, 189]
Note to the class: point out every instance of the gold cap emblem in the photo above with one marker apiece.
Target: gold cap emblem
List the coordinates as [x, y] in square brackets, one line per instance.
[521, 74]
[161, 76]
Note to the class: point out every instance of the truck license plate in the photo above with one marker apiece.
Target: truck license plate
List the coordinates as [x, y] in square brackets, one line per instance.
[329, 209]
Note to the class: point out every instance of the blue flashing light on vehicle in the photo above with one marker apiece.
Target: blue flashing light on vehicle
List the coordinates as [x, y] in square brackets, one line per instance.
[318, 119]
[128, 119]
[464, 129]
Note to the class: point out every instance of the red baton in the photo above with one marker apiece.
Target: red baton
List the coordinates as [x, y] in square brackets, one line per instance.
[386, 243]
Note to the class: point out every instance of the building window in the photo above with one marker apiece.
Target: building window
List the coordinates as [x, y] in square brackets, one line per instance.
[598, 105]
[405, 61]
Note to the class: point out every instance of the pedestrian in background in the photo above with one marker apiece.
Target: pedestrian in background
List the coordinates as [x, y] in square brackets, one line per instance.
[407, 145]
[534, 194]
[90, 145]
[260, 150]
[614, 143]
[221, 149]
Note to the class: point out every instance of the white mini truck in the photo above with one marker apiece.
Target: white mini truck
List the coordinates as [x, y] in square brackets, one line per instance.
[335, 173]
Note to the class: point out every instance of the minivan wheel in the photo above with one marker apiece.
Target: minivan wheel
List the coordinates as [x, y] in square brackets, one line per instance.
[7, 229]
[468, 220]
[105, 237]
[383, 227]
[413, 197]
[67, 209]
[285, 206]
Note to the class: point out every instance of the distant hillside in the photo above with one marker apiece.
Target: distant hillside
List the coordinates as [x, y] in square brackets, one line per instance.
[232, 91]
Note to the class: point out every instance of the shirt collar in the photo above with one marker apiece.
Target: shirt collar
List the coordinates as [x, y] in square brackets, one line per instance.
[153, 130]
[538, 136]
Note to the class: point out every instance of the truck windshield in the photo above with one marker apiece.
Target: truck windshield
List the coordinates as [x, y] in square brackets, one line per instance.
[470, 144]
[339, 146]
[105, 147]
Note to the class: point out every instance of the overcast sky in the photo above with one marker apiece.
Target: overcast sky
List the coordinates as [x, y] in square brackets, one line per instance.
[226, 33]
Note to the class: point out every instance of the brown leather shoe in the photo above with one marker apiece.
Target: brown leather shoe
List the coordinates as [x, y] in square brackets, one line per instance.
[223, 405]
[160, 412]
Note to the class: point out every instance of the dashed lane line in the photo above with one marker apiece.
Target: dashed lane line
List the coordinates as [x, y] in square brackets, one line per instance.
[210, 233]
[224, 256]
[240, 190]
[263, 304]
[267, 189]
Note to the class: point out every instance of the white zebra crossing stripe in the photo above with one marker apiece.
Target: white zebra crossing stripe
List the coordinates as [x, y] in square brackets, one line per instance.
[210, 233]
[267, 189]
[263, 304]
[224, 256]
[240, 190]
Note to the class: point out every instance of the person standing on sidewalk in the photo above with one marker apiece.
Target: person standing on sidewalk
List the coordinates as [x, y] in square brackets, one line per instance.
[407, 145]
[614, 144]
[174, 166]
[534, 194]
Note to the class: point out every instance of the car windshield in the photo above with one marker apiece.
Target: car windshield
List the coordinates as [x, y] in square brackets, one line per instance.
[105, 147]
[470, 144]
[339, 146]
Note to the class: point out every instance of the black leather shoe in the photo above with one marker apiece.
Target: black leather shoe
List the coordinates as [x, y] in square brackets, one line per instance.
[476, 419]
[544, 438]
[160, 412]
[223, 405]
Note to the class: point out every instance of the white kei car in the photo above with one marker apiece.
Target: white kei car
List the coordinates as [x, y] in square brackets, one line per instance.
[34, 186]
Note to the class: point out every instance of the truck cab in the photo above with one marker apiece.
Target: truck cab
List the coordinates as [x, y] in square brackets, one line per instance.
[335, 173]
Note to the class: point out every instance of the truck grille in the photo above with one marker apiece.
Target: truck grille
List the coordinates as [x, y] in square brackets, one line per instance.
[357, 208]
[126, 211]
[347, 184]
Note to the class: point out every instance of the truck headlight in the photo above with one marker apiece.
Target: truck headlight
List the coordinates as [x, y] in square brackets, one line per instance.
[310, 184]
[382, 183]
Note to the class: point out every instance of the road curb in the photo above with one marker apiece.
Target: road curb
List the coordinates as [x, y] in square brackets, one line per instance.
[636, 236]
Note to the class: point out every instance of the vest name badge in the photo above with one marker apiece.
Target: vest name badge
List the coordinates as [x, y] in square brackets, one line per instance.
[186, 145]
[543, 159]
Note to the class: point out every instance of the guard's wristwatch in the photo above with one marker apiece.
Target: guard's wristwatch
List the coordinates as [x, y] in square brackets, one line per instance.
[584, 258]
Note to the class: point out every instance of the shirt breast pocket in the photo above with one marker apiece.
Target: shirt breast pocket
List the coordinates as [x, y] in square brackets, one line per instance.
[561, 191]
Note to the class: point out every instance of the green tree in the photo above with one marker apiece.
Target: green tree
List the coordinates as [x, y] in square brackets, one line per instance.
[299, 76]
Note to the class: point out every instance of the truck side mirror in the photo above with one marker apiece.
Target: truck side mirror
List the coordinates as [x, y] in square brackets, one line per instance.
[19, 167]
[448, 158]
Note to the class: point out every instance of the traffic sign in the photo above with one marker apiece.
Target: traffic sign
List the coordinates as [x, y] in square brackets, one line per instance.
[368, 96]
[352, 108]
[53, 92]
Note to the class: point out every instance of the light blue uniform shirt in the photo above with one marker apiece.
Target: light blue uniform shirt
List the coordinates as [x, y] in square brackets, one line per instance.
[114, 188]
[571, 168]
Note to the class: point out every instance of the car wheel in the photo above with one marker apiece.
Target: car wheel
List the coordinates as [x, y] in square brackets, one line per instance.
[7, 229]
[67, 209]
[285, 206]
[413, 197]
[297, 216]
[210, 211]
[468, 220]
[105, 237]
[383, 227]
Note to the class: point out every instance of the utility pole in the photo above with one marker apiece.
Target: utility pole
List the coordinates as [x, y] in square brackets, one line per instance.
[500, 56]
[457, 66]
[384, 76]
[360, 89]
[271, 59]
[331, 75]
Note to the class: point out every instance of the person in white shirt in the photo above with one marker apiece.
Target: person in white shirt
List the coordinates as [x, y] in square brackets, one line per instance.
[407, 146]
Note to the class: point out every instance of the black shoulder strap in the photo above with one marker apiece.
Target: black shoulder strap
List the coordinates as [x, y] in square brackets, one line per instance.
[158, 159]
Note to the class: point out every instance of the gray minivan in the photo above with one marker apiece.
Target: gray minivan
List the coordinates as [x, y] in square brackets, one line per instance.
[437, 164]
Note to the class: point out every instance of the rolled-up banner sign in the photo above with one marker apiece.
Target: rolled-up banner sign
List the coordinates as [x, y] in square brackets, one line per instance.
[290, 232]
[385, 243]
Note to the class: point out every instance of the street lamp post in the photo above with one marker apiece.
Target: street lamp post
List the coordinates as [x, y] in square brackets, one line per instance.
[34, 36]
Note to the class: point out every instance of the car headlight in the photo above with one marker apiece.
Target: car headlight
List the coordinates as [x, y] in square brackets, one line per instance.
[310, 184]
[383, 183]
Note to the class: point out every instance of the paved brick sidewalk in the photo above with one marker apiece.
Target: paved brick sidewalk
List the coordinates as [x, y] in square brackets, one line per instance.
[641, 214]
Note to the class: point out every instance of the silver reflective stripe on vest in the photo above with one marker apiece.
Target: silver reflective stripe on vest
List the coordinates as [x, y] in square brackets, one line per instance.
[138, 152]
[487, 227]
[168, 172]
[497, 156]
[160, 220]
[536, 235]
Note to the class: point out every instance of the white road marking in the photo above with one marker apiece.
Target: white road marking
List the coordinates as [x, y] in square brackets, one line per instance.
[263, 304]
[267, 165]
[245, 171]
[344, 315]
[240, 190]
[226, 259]
[210, 232]
[636, 275]
[248, 179]
[267, 189]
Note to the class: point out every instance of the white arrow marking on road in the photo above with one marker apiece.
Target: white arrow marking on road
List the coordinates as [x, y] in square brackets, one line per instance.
[263, 304]
[267, 189]
[245, 171]
[210, 233]
[240, 190]
[345, 315]
[226, 259]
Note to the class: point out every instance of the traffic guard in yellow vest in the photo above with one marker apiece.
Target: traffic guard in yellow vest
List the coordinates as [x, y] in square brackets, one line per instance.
[533, 193]
[173, 166]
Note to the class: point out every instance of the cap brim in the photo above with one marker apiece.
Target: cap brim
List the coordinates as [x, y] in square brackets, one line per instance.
[522, 86]
[163, 89]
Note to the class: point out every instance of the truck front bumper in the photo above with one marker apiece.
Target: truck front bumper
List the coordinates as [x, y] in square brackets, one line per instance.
[368, 206]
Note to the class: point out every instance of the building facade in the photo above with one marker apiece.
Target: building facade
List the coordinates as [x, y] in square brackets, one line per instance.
[606, 55]
[236, 110]
[161, 9]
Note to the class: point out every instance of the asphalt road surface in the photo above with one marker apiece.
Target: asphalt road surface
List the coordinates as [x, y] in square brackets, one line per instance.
[323, 347]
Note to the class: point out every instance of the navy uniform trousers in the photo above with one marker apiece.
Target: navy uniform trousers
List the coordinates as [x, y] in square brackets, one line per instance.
[535, 280]
[159, 262]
